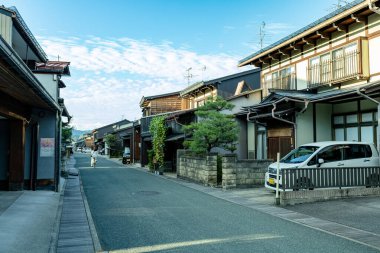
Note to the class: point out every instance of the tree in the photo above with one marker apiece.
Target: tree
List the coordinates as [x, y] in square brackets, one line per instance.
[157, 129]
[111, 140]
[114, 145]
[214, 128]
[67, 133]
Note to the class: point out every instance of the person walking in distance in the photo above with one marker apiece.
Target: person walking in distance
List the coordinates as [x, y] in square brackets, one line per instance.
[94, 156]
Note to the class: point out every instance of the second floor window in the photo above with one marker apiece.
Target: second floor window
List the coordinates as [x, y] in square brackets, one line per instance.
[283, 79]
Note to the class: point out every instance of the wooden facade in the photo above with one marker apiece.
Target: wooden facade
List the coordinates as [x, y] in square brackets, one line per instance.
[170, 102]
[318, 75]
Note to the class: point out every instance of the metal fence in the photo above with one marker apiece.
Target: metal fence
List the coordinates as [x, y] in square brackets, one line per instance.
[312, 178]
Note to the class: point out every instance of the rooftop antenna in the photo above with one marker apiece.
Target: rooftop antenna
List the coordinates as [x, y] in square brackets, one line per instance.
[340, 4]
[188, 76]
[262, 34]
[58, 57]
[203, 69]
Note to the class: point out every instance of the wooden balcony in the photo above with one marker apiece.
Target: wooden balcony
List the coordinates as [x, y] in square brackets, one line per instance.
[339, 69]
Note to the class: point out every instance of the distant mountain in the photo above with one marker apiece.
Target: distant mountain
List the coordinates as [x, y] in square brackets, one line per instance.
[78, 133]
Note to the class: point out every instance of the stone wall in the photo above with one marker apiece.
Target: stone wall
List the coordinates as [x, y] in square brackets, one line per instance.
[199, 169]
[243, 173]
[235, 173]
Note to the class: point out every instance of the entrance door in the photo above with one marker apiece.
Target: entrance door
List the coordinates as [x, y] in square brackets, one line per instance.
[4, 153]
[279, 140]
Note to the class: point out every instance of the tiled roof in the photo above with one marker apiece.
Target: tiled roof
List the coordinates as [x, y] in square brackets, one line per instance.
[304, 29]
[60, 67]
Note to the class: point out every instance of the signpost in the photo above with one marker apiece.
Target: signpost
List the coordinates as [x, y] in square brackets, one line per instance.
[278, 180]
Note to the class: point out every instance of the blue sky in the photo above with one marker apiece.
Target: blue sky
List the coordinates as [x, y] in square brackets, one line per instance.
[121, 50]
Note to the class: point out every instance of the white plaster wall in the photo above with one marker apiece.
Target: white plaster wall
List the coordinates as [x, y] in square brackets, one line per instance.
[6, 28]
[275, 65]
[356, 30]
[323, 118]
[338, 38]
[345, 107]
[322, 45]
[296, 55]
[367, 105]
[251, 99]
[304, 132]
[251, 140]
[301, 70]
[373, 23]
[374, 55]
[308, 50]
[49, 84]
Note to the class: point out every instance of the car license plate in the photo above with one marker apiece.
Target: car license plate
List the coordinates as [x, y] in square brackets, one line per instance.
[271, 181]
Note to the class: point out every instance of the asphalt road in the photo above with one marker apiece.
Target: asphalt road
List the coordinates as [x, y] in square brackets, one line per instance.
[135, 211]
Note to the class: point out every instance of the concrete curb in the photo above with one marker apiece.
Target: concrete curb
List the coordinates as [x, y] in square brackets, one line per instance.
[54, 236]
[94, 234]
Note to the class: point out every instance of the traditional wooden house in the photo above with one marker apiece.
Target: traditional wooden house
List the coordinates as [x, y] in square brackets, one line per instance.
[169, 105]
[31, 108]
[321, 82]
[240, 89]
[116, 127]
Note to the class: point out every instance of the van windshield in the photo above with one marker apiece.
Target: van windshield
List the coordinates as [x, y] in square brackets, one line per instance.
[299, 154]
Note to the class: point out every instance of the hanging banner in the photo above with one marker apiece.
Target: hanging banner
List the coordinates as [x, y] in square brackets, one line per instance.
[47, 147]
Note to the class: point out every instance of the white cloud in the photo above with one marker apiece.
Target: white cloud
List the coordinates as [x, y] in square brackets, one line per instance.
[110, 76]
[135, 57]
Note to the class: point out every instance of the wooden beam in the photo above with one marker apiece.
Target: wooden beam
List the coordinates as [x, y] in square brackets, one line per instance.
[339, 28]
[323, 35]
[282, 52]
[357, 19]
[308, 41]
[295, 47]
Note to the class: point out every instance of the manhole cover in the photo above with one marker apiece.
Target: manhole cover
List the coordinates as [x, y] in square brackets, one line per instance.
[146, 193]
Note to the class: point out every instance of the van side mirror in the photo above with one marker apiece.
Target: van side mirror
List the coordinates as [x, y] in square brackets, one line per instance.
[320, 161]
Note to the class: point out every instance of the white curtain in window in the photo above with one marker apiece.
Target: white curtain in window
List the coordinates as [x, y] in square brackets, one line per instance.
[367, 134]
[352, 134]
[339, 134]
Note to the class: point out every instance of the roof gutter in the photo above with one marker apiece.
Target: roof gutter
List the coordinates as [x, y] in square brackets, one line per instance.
[378, 113]
[373, 7]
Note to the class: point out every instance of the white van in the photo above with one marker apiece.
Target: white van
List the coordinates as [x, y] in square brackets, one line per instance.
[325, 154]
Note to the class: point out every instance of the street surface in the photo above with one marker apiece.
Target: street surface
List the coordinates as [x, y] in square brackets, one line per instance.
[361, 213]
[135, 211]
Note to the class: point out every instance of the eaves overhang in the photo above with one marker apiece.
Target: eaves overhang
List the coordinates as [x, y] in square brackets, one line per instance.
[145, 100]
[314, 27]
[22, 69]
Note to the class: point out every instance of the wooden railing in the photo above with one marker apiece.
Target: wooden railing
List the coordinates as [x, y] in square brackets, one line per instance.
[343, 67]
[312, 178]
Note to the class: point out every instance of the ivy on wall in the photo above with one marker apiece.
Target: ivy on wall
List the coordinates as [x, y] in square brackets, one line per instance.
[157, 129]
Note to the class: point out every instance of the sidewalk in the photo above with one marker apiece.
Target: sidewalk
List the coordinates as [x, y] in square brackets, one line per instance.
[28, 221]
